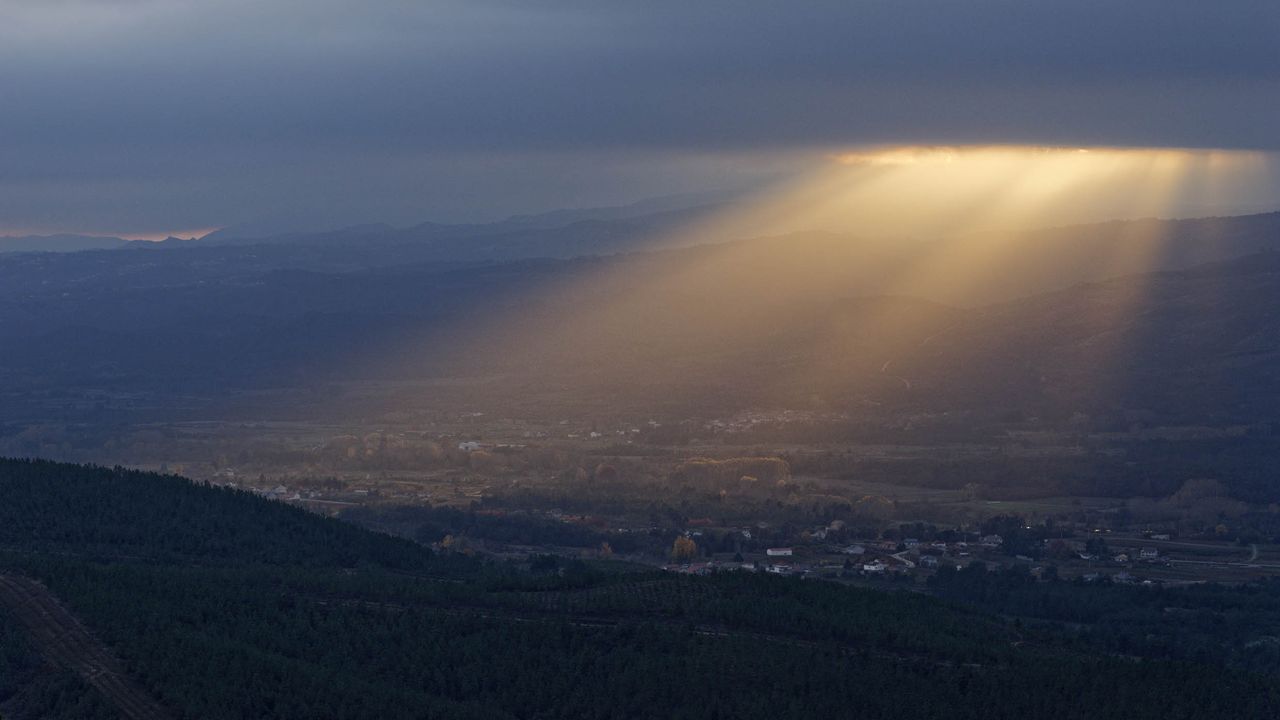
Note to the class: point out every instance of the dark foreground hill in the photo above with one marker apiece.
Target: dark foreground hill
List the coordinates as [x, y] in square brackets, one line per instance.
[222, 605]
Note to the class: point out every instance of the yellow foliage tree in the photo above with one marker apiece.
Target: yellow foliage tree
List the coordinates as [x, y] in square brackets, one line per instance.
[684, 549]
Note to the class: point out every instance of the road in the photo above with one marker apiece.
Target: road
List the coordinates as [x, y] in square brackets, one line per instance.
[884, 370]
[64, 641]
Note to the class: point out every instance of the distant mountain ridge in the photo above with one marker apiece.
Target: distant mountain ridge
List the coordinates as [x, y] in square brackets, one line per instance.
[618, 228]
[507, 240]
[59, 243]
[279, 231]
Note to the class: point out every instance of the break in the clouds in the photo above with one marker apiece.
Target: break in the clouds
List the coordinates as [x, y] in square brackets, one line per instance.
[136, 116]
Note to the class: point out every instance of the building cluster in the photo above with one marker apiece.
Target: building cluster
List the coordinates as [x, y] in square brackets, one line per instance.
[813, 556]
[753, 419]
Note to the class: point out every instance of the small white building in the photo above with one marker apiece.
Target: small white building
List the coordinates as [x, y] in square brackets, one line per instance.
[778, 552]
[1148, 553]
[874, 567]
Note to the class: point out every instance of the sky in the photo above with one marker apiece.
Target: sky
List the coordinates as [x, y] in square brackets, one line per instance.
[150, 117]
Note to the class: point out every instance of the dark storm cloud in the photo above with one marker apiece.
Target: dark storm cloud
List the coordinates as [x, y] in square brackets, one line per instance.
[135, 114]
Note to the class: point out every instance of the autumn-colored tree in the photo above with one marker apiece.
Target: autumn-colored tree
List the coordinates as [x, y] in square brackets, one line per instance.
[456, 543]
[684, 549]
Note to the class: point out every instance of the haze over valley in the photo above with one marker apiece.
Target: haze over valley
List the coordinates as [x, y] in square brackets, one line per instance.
[490, 360]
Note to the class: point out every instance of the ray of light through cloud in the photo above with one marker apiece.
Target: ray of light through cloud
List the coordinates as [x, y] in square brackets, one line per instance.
[959, 225]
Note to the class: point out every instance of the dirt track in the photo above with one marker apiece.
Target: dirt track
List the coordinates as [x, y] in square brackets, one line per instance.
[65, 642]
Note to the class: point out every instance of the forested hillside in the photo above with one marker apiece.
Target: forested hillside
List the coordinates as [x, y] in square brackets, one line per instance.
[32, 687]
[224, 605]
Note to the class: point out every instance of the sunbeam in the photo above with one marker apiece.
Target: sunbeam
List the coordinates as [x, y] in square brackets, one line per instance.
[851, 284]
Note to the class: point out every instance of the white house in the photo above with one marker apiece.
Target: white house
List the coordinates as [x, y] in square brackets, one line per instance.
[778, 552]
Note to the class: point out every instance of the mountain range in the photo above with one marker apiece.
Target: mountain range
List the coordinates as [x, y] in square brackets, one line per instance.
[58, 243]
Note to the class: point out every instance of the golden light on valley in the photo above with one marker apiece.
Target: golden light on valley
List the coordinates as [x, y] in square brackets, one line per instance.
[855, 275]
[945, 191]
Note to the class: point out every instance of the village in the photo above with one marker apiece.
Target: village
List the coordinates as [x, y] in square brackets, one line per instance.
[911, 559]
[835, 551]
[692, 496]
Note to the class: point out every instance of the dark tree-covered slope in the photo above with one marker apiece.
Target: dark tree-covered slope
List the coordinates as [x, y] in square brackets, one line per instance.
[115, 513]
[222, 605]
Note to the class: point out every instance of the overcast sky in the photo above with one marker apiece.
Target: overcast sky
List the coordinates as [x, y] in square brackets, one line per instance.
[150, 116]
